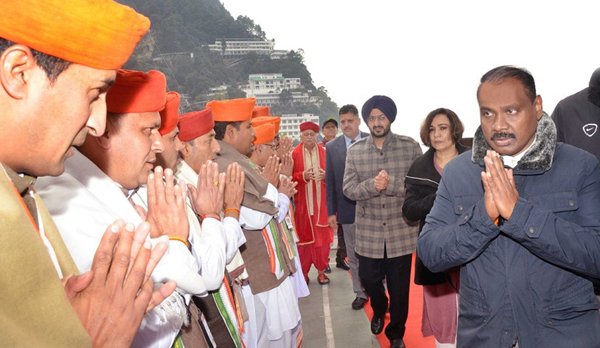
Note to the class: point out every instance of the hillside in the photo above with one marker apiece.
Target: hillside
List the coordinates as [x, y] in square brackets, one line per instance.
[177, 45]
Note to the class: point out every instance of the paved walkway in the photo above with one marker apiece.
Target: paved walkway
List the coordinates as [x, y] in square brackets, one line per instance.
[327, 316]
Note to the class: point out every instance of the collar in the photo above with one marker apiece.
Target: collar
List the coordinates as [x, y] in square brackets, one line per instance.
[349, 141]
[537, 158]
[22, 182]
[512, 161]
[126, 192]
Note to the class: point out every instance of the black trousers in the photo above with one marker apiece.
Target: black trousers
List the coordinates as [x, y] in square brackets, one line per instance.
[340, 255]
[396, 271]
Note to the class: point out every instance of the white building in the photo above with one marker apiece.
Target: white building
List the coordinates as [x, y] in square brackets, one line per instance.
[290, 124]
[238, 48]
[269, 83]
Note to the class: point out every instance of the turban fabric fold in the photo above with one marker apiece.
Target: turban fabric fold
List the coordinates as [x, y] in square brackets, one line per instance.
[100, 34]
[385, 104]
[169, 116]
[264, 133]
[233, 110]
[276, 121]
[195, 124]
[261, 111]
[309, 126]
[137, 92]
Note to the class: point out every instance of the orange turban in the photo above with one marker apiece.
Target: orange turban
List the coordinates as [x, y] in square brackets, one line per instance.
[170, 114]
[258, 121]
[137, 91]
[309, 126]
[264, 133]
[233, 110]
[195, 124]
[261, 111]
[100, 34]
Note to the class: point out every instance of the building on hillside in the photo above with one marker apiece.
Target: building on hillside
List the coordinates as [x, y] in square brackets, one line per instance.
[269, 83]
[267, 88]
[279, 54]
[237, 48]
[290, 124]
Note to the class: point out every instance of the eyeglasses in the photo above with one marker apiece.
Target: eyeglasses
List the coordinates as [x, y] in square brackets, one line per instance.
[380, 118]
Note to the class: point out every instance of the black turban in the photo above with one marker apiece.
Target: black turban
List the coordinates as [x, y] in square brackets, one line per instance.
[381, 102]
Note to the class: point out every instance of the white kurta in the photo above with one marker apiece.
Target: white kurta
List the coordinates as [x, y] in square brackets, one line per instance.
[83, 202]
[207, 241]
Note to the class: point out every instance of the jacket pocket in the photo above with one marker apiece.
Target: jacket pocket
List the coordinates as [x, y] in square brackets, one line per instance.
[462, 203]
[555, 201]
[573, 299]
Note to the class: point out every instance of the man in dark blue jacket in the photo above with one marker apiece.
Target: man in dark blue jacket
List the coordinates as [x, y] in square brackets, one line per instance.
[521, 215]
[339, 207]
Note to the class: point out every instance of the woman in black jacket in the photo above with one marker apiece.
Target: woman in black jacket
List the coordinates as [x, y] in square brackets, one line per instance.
[441, 131]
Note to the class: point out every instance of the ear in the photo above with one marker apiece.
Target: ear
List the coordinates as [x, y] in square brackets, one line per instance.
[186, 151]
[539, 110]
[230, 132]
[17, 67]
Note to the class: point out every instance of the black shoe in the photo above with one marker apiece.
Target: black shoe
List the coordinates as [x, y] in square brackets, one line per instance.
[358, 303]
[399, 343]
[343, 265]
[377, 324]
[327, 270]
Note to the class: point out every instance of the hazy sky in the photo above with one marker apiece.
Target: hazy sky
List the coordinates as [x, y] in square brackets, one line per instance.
[430, 54]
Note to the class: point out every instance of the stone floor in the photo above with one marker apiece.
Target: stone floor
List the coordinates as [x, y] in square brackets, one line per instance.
[327, 316]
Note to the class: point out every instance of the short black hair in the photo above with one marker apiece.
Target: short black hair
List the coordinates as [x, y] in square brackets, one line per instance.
[53, 66]
[348, 109]
[221, 127]
[504, 72]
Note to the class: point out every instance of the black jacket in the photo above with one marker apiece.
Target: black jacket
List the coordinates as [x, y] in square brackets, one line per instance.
[421, 185]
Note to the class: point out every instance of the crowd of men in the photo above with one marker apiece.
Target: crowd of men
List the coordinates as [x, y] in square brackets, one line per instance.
[125, 223]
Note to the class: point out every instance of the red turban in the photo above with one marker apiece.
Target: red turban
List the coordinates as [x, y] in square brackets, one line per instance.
[137, 91]
[233, 110]
[260, 111]
[309, 126]
[100, 34]
[195, 124]
[170, 114]
[264, 133]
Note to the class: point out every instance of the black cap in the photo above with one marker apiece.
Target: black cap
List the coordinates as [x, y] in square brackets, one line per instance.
[330, 120]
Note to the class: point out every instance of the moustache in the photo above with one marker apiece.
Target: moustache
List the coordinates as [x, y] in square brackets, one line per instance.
[502, 135]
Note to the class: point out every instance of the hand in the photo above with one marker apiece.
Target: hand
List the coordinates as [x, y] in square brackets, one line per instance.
[287, 164]
[287, 186]
[309, 174]
[500, 182]
[332, 221]
[111, 299]
[234, 187]
[272, 170]
[320, 176]
[381, 180]
[166, 205]
[285, 146]
[207, 198]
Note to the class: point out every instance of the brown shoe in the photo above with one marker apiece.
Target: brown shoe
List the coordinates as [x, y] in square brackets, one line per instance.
[322, 279]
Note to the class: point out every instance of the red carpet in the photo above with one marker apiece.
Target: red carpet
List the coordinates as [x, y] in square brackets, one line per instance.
[413, 338]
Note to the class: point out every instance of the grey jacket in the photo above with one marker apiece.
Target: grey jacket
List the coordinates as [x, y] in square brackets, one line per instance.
[337, 203]
[380, 225]
[526, 280]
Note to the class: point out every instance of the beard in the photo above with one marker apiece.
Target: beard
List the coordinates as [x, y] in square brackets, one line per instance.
[385, 132]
